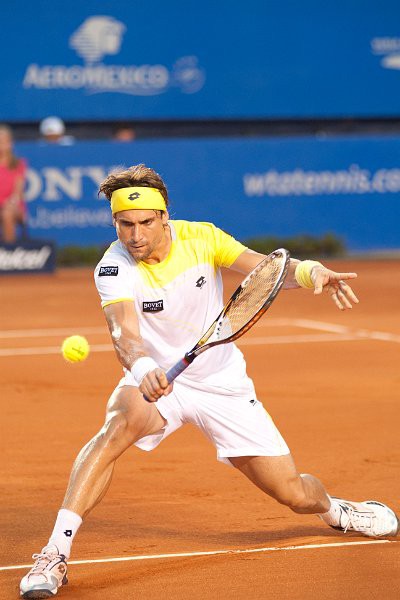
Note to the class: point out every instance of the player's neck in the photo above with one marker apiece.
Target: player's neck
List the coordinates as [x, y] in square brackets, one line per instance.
[161, 252]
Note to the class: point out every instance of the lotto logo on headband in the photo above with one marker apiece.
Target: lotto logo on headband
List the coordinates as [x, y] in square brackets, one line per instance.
[140, 198]
[134, 196]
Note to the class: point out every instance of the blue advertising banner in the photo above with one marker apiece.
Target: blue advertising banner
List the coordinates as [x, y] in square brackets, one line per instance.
[282, 187]
[27, 256]
[133, 60]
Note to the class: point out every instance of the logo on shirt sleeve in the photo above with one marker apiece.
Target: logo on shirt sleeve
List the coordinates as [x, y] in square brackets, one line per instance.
[201, 281]
[108, 271]
[155, 306]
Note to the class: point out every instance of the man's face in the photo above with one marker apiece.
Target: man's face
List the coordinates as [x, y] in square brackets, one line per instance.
[142, 232]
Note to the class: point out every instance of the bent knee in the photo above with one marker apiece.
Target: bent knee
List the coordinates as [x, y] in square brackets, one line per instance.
[126, 426]
[293, 496]
[117, 431]
[128, 411]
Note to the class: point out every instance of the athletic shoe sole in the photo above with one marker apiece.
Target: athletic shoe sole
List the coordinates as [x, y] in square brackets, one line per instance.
[38, 594]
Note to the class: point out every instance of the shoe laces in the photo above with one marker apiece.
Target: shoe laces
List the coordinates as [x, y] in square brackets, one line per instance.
[42, 560]
[357, 520]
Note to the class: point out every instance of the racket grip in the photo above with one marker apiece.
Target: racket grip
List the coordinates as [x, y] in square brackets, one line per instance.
[174, 371]
[177, 369]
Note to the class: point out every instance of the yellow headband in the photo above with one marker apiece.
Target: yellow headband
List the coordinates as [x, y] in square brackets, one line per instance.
[143, 198]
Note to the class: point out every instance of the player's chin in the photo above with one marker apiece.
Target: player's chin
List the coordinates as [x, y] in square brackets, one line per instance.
[139, 253]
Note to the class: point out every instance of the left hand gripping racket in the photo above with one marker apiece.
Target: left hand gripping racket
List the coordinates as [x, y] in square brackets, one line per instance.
[245, 307]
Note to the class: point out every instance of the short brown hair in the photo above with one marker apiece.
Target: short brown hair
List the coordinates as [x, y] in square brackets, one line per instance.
[135, 176]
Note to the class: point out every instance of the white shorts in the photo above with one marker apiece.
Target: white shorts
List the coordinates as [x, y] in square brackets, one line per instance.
[236, 425]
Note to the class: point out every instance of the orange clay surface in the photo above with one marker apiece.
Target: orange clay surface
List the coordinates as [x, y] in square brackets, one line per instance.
[330, 380]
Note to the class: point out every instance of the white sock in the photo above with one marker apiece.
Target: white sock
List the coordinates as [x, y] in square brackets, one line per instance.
[65, 529]
[332, 516]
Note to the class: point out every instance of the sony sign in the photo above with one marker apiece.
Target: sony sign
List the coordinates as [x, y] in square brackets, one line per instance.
[48, 190]
[52, 183]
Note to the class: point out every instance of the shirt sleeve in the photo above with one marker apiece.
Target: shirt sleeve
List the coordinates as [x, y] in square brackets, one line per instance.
[113, 281]
[226, 248]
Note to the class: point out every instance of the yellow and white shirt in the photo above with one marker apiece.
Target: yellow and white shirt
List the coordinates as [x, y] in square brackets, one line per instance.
[177, 299]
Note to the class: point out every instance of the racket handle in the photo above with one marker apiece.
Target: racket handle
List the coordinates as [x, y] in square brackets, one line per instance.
[174, 371]
[177, 369]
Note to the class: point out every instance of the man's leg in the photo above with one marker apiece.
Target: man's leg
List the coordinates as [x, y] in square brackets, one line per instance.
[129, 418]
[277, 476]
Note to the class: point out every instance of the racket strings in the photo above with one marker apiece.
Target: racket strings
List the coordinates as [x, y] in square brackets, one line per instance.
[251, 298]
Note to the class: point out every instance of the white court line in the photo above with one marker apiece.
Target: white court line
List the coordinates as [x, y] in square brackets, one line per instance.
[36, 333]
[332, 328]
[335, 333]
[50, 332]
[37, 350]
[305, 324]
[210, 553]
[302, 323]
[321, 325]
[249, 341]
[378, 335]
[296, 339]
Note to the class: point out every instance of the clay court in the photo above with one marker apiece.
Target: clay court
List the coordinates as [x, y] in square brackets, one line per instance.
[331, 382]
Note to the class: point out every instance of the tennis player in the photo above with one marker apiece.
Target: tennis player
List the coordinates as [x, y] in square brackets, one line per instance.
[160, 287]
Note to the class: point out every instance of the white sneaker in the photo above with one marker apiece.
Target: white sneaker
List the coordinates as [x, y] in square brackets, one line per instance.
[371, 518]
[47, 574]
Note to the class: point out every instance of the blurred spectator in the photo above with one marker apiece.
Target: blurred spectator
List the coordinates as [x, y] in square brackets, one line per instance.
[125, 134]
[52, 130]
[12, 179]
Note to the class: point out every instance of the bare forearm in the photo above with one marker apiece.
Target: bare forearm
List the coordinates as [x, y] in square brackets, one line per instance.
[290, 281]
[247, 261]
[125, 334]
[128, 349]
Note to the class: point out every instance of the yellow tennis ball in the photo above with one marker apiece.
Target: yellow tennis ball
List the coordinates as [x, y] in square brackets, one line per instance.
[75, 348]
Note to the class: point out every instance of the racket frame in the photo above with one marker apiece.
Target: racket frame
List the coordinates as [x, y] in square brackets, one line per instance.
[202, 344]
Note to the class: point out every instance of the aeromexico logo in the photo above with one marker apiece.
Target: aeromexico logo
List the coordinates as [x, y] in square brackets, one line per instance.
[100, 36]
[388, 48]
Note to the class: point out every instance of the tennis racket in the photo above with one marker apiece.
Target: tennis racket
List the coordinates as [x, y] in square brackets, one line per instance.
[246, 306]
